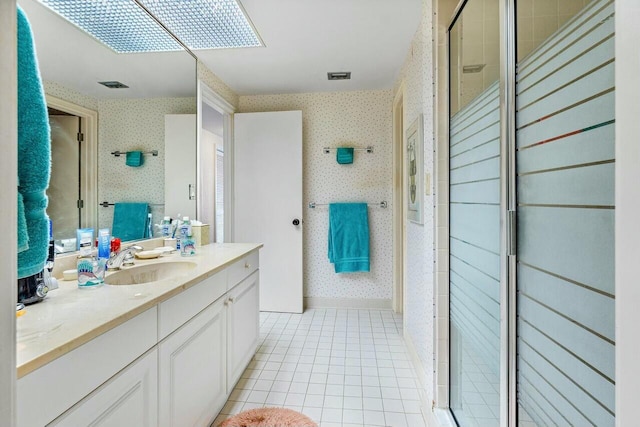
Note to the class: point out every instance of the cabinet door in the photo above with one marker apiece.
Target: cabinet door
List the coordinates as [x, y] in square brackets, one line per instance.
[128, 399]
[192, 375]
[243, 303]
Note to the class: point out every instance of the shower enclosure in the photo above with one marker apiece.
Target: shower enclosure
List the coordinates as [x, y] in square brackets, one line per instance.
[532, 295]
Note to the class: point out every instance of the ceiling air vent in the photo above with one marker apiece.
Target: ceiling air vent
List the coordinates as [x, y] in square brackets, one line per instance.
[341, 75]
[114, 85]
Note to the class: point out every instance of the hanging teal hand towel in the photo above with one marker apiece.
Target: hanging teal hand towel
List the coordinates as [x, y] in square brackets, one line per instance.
[344, 155]
[349, 237]
[134, 159]
[34, 157]
[130, 221]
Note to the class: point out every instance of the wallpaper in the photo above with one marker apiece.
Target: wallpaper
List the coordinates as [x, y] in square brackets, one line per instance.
[417, 75]
[332, 119]
[217, 85]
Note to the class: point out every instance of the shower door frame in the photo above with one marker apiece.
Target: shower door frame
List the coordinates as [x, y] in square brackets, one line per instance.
[508, 204]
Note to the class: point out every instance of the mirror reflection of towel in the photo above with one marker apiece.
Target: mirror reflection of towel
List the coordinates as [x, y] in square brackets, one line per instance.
[349, 237]
[130, 221]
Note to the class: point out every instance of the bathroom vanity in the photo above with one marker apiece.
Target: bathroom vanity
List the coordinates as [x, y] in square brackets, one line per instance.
[160, 353]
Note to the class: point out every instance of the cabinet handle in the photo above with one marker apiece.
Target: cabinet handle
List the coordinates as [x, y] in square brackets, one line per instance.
[231, 300]
[247, 265]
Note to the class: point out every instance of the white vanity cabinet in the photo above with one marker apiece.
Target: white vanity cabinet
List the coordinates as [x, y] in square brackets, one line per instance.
[244, 327]
[171, 365]
[128, 399]
[192, 370]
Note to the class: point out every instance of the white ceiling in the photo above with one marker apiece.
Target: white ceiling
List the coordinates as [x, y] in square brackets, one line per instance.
[305, 39]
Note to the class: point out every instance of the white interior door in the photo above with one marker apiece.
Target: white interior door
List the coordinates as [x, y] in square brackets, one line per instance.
[268, 201]
[180, 165]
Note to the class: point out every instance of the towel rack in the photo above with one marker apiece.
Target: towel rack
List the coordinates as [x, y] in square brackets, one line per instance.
[383, 204]
[119, 153]
[107, 204]
[368, 149]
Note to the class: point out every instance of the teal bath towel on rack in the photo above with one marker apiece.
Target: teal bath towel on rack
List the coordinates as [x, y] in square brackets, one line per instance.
[349, 237]
[130, 221]
[34, 157]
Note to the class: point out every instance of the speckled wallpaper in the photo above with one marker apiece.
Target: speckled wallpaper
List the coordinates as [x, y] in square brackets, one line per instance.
[357, 119]
[417, 74]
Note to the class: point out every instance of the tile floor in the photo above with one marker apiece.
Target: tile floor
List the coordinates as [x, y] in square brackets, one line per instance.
[339, 367]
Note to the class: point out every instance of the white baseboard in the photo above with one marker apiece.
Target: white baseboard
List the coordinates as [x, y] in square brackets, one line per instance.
[321, 302]
[425, 405]
[434, 417]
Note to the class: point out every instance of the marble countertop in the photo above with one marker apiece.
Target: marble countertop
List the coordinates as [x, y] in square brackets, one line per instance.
[69, 317]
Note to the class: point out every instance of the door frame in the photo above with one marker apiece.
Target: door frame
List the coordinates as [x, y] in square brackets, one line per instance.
[399, 201]
[208, 96]
[88, 157]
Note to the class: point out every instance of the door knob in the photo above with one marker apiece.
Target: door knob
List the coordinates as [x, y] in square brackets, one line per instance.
[296, 222]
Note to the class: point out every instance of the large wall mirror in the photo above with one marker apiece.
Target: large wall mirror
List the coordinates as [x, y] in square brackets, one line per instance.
[86, 173]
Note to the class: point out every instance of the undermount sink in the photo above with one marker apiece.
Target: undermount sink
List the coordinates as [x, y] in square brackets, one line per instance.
[149, 273]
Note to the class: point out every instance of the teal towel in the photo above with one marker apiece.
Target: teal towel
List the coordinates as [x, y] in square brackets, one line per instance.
[134, 158]
[23, 235]
[34, 156]
[344, 155]
[349, 237]
[130, 221]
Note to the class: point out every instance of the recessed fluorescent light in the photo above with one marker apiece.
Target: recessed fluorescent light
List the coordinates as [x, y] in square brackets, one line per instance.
[121, 25]
[126, 27]
[339, 75]
[114, 85]
[206, 24]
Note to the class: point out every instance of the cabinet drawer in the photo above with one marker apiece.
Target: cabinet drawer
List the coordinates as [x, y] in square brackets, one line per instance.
[176, 311]
[242, 268]
[130, 398]
[62, 383]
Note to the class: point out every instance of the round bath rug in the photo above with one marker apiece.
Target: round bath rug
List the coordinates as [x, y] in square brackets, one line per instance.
[269, 417]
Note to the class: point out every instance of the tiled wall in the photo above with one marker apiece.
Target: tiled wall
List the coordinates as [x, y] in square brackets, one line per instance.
[538, 19]
[419, 313]
[443, 15]
[358, 119]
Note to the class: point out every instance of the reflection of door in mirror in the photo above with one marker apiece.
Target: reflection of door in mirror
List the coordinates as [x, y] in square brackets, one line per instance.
[72, 188]
[214, 171]
[211, 157]
[64, 184]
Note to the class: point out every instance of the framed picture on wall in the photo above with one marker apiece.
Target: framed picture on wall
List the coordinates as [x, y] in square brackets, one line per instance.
[414, 143]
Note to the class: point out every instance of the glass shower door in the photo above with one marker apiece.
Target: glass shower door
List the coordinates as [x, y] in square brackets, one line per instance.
[565, 167]
[474, 214]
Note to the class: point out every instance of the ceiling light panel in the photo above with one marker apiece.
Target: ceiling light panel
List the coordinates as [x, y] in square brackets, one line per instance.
[120, 24]
[205, 24]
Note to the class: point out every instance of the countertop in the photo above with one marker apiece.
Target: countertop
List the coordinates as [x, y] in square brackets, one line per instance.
[69, 317]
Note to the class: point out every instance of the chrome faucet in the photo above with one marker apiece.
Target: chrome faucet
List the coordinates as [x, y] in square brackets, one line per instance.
[123, 257]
